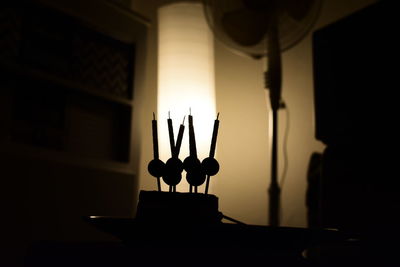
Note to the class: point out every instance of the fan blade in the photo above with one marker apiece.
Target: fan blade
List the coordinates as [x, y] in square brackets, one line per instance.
[244, 26]
[297, 9]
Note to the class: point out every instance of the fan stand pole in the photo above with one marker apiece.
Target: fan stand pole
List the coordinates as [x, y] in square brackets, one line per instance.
[274, 189]
[274, 83]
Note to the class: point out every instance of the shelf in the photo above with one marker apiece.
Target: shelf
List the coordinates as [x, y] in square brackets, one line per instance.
[40, 75]
[71, 68]
[36, 153]
[109, 17]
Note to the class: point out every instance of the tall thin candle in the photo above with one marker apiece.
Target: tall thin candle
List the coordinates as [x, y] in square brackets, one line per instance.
[171, 134]
[155, 139]
[214, 137]
[179, 138]
[192, 139]
[210, 164]
[156, 166]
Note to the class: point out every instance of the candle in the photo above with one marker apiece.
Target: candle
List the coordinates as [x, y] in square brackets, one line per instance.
[192, 139]
[156, 166]
[179, 138]
[171, 134]
[214, 137]
[155, 140]
[210, 165]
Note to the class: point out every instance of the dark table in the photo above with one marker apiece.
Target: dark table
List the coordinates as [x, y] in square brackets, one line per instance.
[156, 244]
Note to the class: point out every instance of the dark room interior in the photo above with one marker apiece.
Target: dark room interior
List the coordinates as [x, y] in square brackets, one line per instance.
[81, 83]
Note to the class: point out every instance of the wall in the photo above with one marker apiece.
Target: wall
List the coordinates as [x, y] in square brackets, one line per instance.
[243, 146]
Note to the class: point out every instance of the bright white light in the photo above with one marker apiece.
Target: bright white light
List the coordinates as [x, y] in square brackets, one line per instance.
[185, 77]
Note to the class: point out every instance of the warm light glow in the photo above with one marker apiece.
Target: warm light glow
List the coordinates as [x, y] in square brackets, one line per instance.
[185, 77]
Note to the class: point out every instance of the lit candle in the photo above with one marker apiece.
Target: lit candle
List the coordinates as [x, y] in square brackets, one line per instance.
[210, 165]
[179, 138]
[155, 139]
[192, 139]
[156, 166]
[214, 137]
[171, 134]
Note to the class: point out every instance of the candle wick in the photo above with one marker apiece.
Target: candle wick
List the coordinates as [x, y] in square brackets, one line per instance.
[217, 115]
[169, 115]
[190, 111]
[183, 122]
[154, 116]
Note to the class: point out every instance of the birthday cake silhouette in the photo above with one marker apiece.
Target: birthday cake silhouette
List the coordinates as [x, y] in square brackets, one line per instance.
[173, 207]
[190, 221]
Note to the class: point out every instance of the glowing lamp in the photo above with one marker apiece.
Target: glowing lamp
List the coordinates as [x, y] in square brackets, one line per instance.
[185, 77]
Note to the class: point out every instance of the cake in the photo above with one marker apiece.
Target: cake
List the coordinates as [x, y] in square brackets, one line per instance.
[177, 208]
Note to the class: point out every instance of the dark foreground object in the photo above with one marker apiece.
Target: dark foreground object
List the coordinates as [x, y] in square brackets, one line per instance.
[183, 229]
[157, 244]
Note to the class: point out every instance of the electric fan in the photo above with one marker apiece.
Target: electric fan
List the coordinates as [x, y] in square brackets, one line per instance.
[260, 28]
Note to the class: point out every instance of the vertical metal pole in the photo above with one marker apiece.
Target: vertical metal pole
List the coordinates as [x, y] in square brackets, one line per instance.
[274, 83]
[274, 190]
